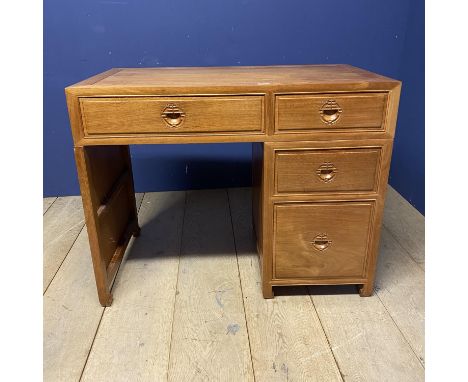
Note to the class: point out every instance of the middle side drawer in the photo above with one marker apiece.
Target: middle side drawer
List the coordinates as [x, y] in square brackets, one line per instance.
[332, 167]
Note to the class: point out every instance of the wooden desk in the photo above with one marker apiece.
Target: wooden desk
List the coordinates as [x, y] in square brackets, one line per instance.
[322, 136]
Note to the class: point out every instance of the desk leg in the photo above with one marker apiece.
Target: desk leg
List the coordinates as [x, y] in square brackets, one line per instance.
[261, 213]
[106, 183]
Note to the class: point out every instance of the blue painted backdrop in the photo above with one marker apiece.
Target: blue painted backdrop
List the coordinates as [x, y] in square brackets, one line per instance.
[82, 38]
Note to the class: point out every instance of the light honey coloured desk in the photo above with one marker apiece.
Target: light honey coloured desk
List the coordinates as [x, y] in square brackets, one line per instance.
[322, 140]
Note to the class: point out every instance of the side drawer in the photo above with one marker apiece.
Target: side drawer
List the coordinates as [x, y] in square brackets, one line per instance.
[172, 115]
[327, 170]
[322, 240]
[329, 112]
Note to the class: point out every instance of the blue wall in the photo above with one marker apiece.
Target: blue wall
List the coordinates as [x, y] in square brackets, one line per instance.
[85, 37]
[407, 171]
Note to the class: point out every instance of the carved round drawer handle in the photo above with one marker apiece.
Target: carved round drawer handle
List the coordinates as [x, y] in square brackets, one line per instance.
[330, 112]
[173, 115]
[326, 172]
[321, 242]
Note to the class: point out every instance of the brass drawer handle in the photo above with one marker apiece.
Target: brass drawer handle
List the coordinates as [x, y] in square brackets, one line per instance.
[321, 242]
[326, 172]
[173, 115]
[330, 112]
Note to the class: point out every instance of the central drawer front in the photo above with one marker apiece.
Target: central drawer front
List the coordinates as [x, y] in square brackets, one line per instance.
[172, 115]
[329, 112]
[325, 170]
[322, 240]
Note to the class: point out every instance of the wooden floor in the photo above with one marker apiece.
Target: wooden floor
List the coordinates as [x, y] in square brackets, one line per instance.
[188, 305]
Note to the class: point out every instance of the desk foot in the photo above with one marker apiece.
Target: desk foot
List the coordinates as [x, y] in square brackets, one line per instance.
[105, 299]
[267, 291]
[366, 290]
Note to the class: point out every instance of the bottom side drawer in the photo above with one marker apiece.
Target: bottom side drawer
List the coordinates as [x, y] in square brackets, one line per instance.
[322, 239]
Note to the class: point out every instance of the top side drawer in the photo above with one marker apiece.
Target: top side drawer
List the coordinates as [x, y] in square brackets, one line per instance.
[300, 113]
[172, 115]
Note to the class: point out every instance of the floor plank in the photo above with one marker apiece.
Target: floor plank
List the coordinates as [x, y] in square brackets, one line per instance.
[133, 339]
[62, 223]
[46, 203]
[366, 343]
[286, 338]
[71, 314]
[406, 224]
[400, 287]
[373, 339]
[209, 339]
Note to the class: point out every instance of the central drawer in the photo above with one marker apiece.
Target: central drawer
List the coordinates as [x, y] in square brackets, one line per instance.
[322, 240]
[327, 170]
[172, 115]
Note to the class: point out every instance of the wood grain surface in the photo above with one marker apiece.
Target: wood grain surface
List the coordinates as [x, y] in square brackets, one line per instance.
[210, 340]
[128, 115]
[124, 106]
[311, 110]
[366, 342]
[303, 171]
[405, 222]
[135, 333]
[303, 112]
[63, 221]
[71, 315]
[286, 338]
[331, 335]
[47, 202]
[346, 225]
[207, 77]
[400, 287]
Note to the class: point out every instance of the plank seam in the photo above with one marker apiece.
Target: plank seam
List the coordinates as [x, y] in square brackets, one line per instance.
[50, 205]
[325, 334]
[92, 343]
[407, 252]
[402, 334]
[407, 206]
[240, 282]
[63, 260]
[102, 314]
[177, 285]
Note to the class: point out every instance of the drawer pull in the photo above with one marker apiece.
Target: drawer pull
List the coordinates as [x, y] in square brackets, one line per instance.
[173, 115]
[321, 242]
[326, 172]
[330, 112]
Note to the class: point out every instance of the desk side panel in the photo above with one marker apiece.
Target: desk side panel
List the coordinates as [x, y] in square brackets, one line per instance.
[106, 183]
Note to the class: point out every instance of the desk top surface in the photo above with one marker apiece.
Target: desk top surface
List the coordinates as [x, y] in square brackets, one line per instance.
[235, 76]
